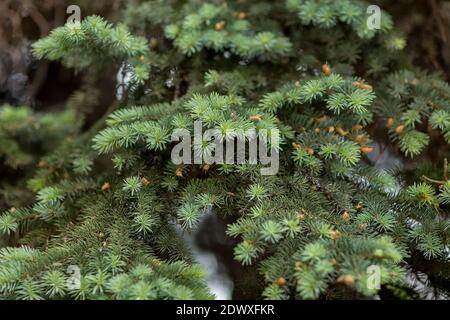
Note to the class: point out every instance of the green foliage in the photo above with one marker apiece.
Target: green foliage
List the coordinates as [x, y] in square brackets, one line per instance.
[327, 13]
[214, 27]
[83, 45]
[111, 202]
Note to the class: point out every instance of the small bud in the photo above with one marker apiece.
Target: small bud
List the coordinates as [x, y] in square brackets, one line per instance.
[357, 127]
[154, 43]
[321, 119]
[301, 216]
[326, 69]
[220, 25]
[145, 182]
[298, 264]
[334, 234]
[242, 15]
[310, 151]
[255, 118]
[366, 150]
[179, 172]
[281, 282]
[389, 123]
[346, 216]
[106, 186]
[317, 130]
[346, 279]
[360, 138]
[362, 85]
[341, 131]
[296, 145]
[331, 129]
[399, 129]
[366, 87]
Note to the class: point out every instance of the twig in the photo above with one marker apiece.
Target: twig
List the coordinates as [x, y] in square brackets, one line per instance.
[433, 180]
[438, 16]
[445, 169]
[382, 148]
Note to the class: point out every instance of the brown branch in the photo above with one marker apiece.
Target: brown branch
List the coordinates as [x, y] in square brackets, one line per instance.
[438, 17]
[433, 180]
[382, 148]
[445, 169]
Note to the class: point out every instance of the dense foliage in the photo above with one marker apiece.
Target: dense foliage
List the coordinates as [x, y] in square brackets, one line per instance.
[109, 200]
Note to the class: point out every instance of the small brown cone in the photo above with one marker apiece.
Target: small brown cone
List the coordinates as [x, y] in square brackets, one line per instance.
[360, 138]
[399, 129]
[341, 131]
[242, 15]
[366, 87]
[255, 118]
[106, 186]
[220, 25]
[179, 172]
[281, 282]
[321, 119]
[346, 216]
[145, 182]
[389, 123]
[296, 145]
[154, 43]
[326, 69]
[334, 234]
[366, 149]
[348, 280]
